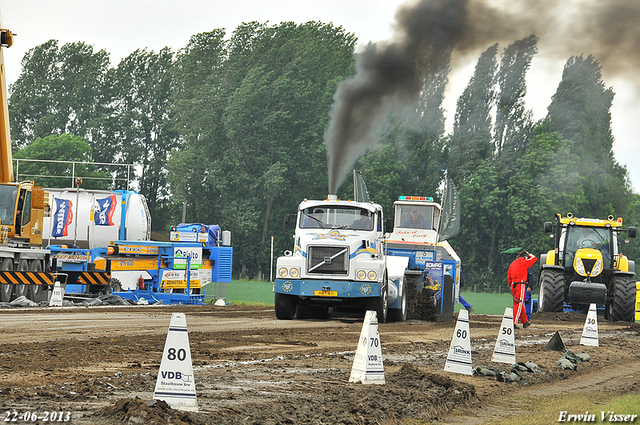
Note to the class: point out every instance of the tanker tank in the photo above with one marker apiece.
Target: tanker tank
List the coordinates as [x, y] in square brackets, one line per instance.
[131, 218]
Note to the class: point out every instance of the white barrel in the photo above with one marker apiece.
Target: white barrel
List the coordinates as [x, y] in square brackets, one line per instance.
[226, 238]
[82, 230]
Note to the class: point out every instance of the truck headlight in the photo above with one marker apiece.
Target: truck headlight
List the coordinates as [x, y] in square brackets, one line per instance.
[580, 267]
[283, 272]
[361, 275]
[597, 268]
[294, 272]
[372, 275]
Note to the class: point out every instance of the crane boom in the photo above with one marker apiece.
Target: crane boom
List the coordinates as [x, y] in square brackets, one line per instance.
[6, 159]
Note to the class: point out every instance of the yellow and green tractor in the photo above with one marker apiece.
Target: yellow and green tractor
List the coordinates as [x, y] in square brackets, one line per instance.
[587, 266]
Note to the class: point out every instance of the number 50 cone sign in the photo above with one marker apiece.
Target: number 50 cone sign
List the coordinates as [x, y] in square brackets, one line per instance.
[175, 383]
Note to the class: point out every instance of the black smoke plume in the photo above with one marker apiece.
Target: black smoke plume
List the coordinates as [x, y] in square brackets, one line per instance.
[389, 75]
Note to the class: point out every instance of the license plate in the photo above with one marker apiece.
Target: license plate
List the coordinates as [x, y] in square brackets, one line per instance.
[325, 293]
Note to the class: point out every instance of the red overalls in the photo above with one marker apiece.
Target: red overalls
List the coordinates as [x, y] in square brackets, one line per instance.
[517, 277]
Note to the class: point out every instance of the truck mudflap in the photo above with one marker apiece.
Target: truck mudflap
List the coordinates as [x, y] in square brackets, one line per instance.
[329, 289]
[587, 293]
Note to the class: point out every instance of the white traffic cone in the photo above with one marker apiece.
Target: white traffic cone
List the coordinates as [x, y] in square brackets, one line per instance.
[367, 364]
[56, 295]
[590, 331]
[175, 383]
[505, 349]
[459, 358]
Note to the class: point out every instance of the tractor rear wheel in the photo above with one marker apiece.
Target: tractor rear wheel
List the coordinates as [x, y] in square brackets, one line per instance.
[624, 295]
[551, 296]
[285, 306]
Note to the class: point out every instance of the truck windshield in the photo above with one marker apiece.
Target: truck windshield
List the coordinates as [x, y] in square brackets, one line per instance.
[332, 217]
[8, 196]
[416, 216]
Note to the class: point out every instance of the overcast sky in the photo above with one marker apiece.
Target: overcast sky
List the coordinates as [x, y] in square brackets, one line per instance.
[120, 27]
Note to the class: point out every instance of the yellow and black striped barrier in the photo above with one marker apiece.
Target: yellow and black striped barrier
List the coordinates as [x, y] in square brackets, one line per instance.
[47, 278]
[88, 278]
[26, 277]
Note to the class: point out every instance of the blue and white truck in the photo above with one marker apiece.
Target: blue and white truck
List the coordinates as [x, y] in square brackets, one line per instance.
[347, 257]
[338, 261]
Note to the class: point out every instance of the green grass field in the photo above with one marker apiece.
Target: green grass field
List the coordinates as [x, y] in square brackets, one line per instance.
[261, 293]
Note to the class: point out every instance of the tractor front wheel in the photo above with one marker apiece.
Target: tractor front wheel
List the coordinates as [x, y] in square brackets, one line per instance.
[624, 295]
[551, 296]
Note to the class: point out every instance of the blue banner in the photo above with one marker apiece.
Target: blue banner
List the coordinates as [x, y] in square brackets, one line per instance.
[61, 218]
[106, 207]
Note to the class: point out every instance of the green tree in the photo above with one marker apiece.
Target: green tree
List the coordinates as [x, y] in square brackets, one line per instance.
[142, 95]
[513, 122]
[470, 143]
[471, 167]
[60, 91]
[580, 112]
[266, 106]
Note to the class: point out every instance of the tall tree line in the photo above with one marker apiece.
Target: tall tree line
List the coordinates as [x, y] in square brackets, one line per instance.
[233, 129]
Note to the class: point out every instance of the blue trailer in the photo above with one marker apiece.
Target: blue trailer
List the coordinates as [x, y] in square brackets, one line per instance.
[149, 271]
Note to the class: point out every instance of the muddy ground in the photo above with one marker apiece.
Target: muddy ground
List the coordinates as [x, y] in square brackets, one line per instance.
[100, 365]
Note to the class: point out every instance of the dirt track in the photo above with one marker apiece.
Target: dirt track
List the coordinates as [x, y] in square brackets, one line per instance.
[101, 363]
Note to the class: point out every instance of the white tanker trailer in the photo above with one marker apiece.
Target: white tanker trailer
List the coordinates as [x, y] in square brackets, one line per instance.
[131, 219]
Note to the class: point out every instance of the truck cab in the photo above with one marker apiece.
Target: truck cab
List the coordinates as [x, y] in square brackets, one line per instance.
[337, 260]
[431, 263]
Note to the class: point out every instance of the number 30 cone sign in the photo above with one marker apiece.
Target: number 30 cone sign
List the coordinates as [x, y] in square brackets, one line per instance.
[175, 383]
[590, 331]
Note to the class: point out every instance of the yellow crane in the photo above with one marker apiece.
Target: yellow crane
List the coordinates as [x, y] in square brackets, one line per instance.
[22, 209]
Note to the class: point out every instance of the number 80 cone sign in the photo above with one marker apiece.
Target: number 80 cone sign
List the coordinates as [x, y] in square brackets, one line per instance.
[175, 383]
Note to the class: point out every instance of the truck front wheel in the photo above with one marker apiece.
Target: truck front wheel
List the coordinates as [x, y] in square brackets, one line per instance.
[380, 305]
[285, 306]
[551, 297]
[624, 296]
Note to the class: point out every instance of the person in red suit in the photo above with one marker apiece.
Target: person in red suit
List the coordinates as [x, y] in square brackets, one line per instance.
[517, 278]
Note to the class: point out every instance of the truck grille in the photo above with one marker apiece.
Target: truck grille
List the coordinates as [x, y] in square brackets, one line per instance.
[328, 260]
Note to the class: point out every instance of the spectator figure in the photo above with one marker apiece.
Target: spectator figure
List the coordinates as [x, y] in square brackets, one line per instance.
[531, 279]
[517, 278]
